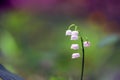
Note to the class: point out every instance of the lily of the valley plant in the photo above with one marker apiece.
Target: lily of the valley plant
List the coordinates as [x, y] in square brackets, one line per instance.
[75, 35]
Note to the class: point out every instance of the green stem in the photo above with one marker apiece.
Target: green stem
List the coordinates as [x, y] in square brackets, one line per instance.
[75, 28]
[71, 26]
[83, 56]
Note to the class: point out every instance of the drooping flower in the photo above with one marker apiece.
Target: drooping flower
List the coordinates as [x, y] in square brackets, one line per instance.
[86, 44]
[68, 32]
[75, 55]
[74, 46]
[74, 37]
[75, 33]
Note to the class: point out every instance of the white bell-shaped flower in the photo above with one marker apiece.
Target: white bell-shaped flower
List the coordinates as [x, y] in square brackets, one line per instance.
[68, 32]
[74, 37]
[75, 55]
[74, 46]
[75, 33]
[86, 44]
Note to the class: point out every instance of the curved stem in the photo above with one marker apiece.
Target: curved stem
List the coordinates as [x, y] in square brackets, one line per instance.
[83, 56]
[71, 26]
[75, 28]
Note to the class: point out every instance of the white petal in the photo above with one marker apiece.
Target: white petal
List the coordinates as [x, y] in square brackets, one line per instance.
[68, 32]
[75, 33]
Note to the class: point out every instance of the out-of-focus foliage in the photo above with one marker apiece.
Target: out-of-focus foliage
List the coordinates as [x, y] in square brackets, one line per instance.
[33, 42]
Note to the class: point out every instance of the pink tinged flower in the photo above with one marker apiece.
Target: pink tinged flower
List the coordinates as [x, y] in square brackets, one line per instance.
[74, 46]
[86, 44]
[68, 32]
[75, 33]
[75, 55]
[74, 37]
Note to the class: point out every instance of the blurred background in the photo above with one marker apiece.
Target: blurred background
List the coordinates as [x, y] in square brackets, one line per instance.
[33, 42]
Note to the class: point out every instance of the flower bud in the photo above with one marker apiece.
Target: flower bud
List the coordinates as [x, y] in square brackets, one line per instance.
[75, 55]
[86, 44]
[74, 37]
[68, 32]
[74, 46]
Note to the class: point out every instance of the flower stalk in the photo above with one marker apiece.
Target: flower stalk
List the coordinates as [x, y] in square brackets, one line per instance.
[83, 57]
[75, 36]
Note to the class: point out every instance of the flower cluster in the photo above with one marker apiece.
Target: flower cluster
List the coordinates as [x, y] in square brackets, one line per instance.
[75, 36]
